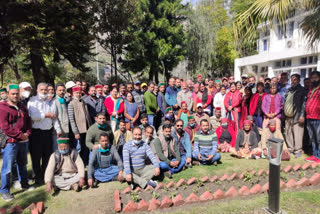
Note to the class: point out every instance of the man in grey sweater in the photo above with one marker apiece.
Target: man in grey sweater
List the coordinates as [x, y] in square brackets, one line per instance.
[101, 164]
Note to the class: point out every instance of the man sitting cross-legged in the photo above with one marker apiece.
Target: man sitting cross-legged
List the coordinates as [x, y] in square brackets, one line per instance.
[65, 169]
[168, 152]
[121, 136]
[205, 145]
[134, 154]
[101, 164]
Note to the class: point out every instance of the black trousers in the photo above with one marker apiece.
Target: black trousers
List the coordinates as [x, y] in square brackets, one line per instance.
[40, 149]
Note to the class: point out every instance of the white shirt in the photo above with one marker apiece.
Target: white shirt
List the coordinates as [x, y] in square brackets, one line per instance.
[219, 102]
[37, 110]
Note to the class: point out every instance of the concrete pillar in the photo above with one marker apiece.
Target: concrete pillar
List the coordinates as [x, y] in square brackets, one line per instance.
[270, 72]
[318, 63]
[237, 71]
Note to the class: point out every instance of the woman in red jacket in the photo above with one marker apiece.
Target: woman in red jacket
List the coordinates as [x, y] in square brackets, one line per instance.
[256, 104]
[245, 103]
[204, 97]
[232, 102]
[226, 135]
[115, 107]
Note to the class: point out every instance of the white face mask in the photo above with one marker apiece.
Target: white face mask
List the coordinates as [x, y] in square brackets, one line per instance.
[50, 95]
[25, 94]
[43, 96]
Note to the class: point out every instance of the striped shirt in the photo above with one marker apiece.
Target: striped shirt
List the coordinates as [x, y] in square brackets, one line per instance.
[134, 157]
[205, 143]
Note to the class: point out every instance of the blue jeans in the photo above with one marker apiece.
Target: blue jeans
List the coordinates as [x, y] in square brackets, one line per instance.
[106, 174]
[150, 119]
[166, 167]
[11, 153]
[216, 157]
[313, 127]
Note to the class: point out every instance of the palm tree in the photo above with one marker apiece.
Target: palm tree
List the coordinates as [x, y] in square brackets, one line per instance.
[266, 11]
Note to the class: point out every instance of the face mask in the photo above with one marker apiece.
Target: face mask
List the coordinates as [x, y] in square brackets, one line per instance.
[315, 83]
[63, 152]
[224, 125]
[25, 94]
[103, 150]
[102, 126]
[61, 100]
[43, 96]
[50, 95]
[137, 142]
[4, 96]
[272, 129]
[192, 125]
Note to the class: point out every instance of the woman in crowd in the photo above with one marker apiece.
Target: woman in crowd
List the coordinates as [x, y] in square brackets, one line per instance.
[238, 85]
[195, 90]
[131, 112]
[204, 97]
[256, 104]
[272, 106]
[219, 101]
[232, 102]
[245, 103]
[226, 135]
[115, 107]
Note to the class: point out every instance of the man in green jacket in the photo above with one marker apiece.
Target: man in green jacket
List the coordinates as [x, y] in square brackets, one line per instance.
[150, 100]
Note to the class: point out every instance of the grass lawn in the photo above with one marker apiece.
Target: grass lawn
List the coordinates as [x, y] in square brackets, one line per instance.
[100, 200]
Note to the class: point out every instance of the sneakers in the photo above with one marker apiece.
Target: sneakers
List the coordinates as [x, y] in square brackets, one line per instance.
[152, 183]
[215, 163]
[17, 185]
[7, 197]
[168, 174]
[311, 159]
[27, 187]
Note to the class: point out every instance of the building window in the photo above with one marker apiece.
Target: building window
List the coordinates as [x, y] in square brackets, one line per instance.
[310, 60]
[303, 60]
[290, 29]
[278, 64]
[265, 45]
[303, 73]
[288, 63]
[280, 32]
[315, 59]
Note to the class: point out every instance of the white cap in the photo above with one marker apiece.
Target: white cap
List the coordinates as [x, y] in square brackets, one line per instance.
[199, 105]
[24, 85]
[70, 84]
[245, 75]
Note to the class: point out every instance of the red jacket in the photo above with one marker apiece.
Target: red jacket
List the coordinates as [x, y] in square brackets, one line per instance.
[109, 104]
[219, 131]
[254, 102]
[313, 105]
[236, 100]
[9, 115]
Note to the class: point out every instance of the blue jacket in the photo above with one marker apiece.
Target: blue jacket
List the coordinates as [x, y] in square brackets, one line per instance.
[171, 96]
[185, 140]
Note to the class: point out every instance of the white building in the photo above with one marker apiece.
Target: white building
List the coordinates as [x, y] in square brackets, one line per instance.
[280, 51]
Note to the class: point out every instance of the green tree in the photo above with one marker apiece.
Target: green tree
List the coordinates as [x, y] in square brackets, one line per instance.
[267, 11]
[157, 39]
[47, 32]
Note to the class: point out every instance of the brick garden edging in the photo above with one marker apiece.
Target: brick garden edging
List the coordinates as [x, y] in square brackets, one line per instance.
[166, 202]
[34, 209]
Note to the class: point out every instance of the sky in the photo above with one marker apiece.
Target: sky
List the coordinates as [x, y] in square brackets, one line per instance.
[193, 2]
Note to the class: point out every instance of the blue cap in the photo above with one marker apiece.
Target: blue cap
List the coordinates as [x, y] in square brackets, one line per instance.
[137, 82]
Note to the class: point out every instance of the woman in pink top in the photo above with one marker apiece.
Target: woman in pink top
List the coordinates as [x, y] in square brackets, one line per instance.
[115, 107]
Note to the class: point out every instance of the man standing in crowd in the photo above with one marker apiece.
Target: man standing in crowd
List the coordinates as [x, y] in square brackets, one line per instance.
[99, 91]
[185, 95]
[25, 92]
[178, 84]
[244, 81]
[138, 97]
[16, 124]
[167, 152]
[65, 169]
[284, 85]
[95, 104]
[252, 84]
[129, 87]
[135, 152]
[106, 91]
[84, 87]
[3, 94]
[200, 114]
[294, 111]
[313, 116]
[151, 103]
[43, 117]
[62, 111]
[216, 119]
[171, 94]
[122, 91]
[80, 121]
[161, 98]
[199, 79]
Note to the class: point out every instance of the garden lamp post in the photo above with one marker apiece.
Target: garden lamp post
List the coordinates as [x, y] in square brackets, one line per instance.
[274, 149]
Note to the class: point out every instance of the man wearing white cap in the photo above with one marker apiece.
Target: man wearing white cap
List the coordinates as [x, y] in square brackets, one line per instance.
[200, 115]
[25, 91]
[244, 81]
[68, 95]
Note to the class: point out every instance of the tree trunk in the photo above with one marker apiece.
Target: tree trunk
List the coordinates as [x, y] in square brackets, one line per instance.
[114, 59]
[156, 77]
[151, 73]
[1, 73]
[14, 67]
[40, 72]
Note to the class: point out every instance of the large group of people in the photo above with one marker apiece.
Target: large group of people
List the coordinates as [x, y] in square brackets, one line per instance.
[81, 135]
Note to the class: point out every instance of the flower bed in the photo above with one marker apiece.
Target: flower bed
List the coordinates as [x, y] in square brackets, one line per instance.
[212, 188]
